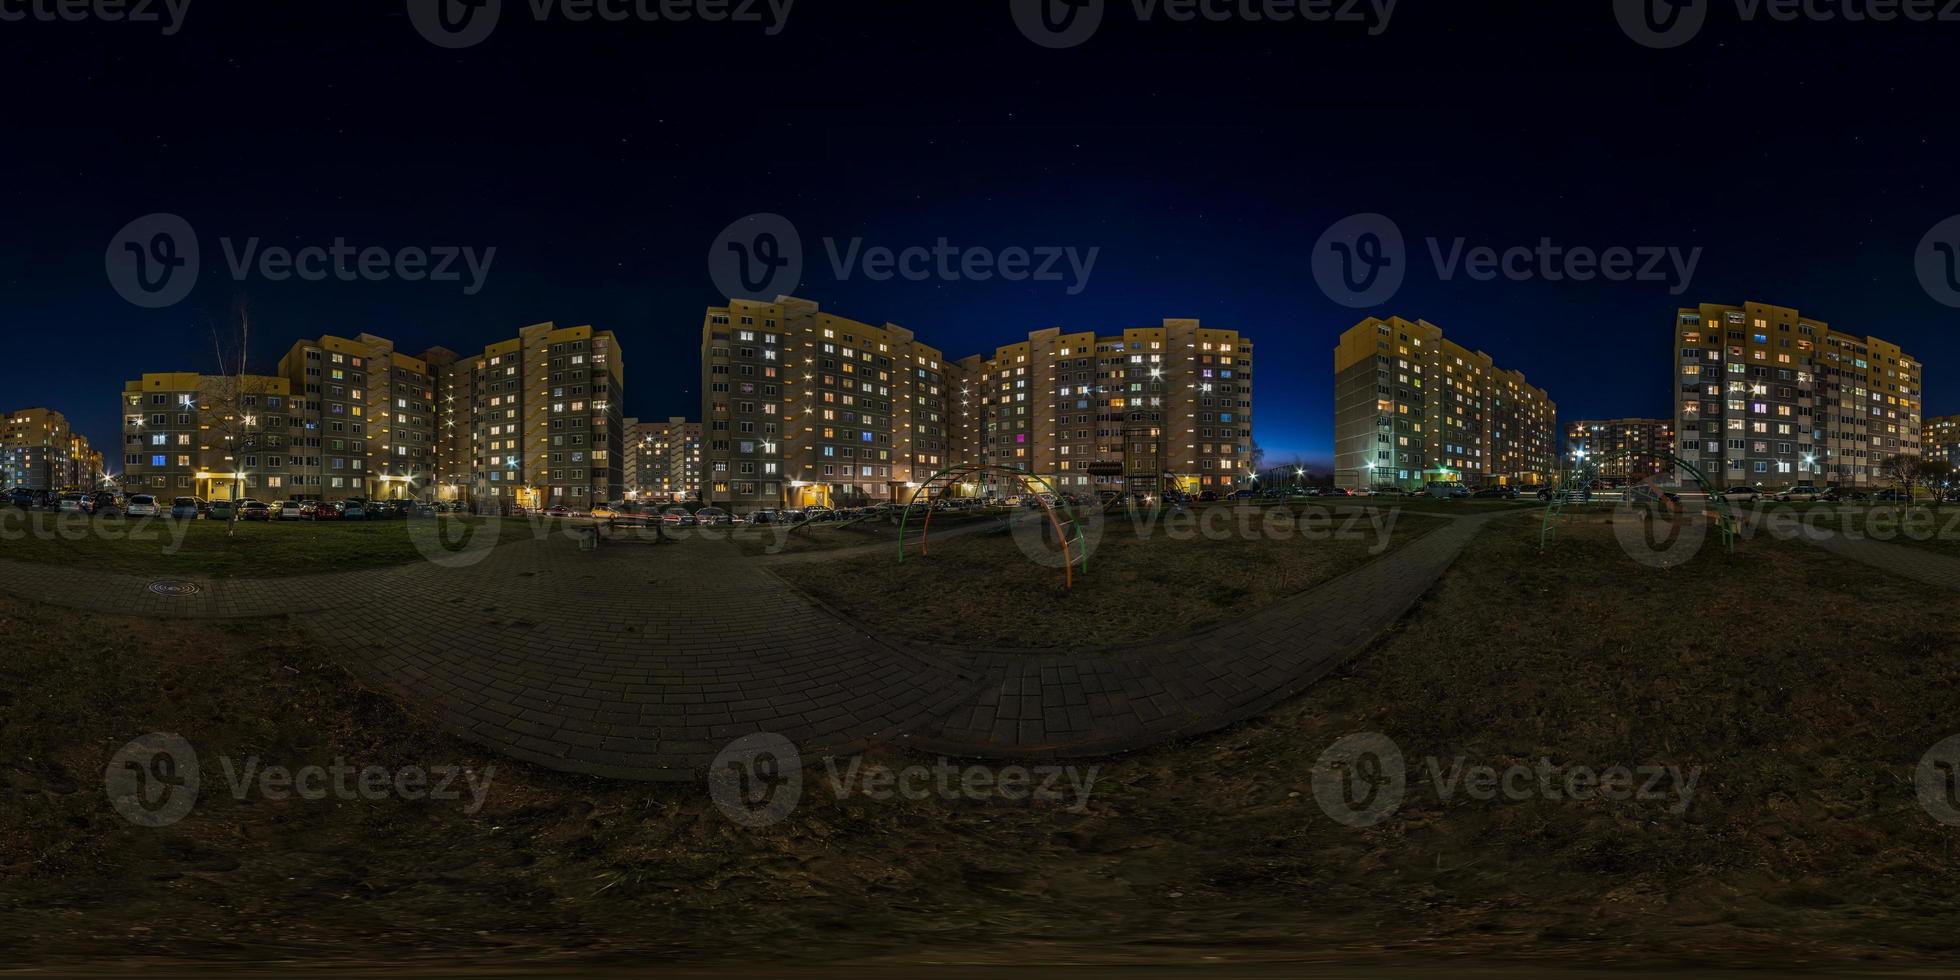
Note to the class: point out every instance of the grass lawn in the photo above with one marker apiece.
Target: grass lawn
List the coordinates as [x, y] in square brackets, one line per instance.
[830, 536]
[261, 549]
[982, 589]
[1803, 845]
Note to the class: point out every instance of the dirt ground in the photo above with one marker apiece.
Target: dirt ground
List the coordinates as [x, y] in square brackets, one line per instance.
[1803, 845]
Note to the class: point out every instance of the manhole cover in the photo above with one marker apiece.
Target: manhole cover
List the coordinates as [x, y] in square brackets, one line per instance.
[175, 589]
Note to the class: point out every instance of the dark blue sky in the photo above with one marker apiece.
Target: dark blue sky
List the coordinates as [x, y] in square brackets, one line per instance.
[1203, 161]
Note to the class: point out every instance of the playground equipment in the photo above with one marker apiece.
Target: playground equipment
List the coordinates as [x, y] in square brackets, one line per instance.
[1075, 550]
[1579, 479]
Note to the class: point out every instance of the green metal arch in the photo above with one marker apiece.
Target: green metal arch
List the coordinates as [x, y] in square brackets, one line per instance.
[1725, 520]
[1026, 480]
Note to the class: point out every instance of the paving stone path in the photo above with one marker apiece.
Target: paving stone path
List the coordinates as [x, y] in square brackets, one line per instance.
[642, 661]
[1910, 561]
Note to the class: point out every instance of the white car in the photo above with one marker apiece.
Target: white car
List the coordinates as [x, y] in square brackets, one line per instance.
[1803, 492]
[287, 511]
[1742, 493]
[142, 505]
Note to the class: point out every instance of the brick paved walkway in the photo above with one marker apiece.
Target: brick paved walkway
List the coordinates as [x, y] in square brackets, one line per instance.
[1910, 561]
[641, 661]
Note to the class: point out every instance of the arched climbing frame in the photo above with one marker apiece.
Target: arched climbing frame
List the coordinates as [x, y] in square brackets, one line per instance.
[1074, 548]
[1581, 476]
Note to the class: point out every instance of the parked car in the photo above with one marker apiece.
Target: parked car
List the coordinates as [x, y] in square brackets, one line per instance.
[1892, 494]
[105, 503]
[289, 510]
[1446, 491]
[254, 510]
[559, 510]
[713, 516]
[1207, 496]
[353, 510]
[219, 510]
[1843, 494]
[1647, 493]
[319, 510]
[677, 517]
[23, 498]
[186, 508]
[74, 503]
[1495, 493]
[142, 505]
[1802, 492]
[764, 516]
[1743, 493]
[422, 508]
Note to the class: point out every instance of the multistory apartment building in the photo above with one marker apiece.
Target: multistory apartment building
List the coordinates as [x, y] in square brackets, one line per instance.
[635, 443]
[368, 413]
[1765, 394]
[544, 419]
[801, 407]
[683, 442]
[1413, 407]
[1622, 449]
[1170, 403]
[39, 450]
[1940, 438]
[662, 458]
[216, 437]
[532, 421]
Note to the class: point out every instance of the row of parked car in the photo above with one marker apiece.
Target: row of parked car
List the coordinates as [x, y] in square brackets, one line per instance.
[1807, 493]
[106, 503]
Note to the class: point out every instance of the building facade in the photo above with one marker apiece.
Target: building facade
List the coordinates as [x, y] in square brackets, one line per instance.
[218, 437]
[802, 407]
[367, 415]
[1766, 395]
[662, 459]
[532, 421]
[1413, 407]
[544, 419]
[1622, 449]
[1940, 438]
[40, 451]
[1169, 405]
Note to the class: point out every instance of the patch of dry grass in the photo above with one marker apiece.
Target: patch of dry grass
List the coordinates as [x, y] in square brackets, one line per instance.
[1144, 580]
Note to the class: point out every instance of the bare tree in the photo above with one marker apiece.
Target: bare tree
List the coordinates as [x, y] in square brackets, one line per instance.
[1902, 470]
[233, 402]
[1934, 475]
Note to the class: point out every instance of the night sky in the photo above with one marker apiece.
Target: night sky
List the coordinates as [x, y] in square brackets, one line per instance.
[1203, 160]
